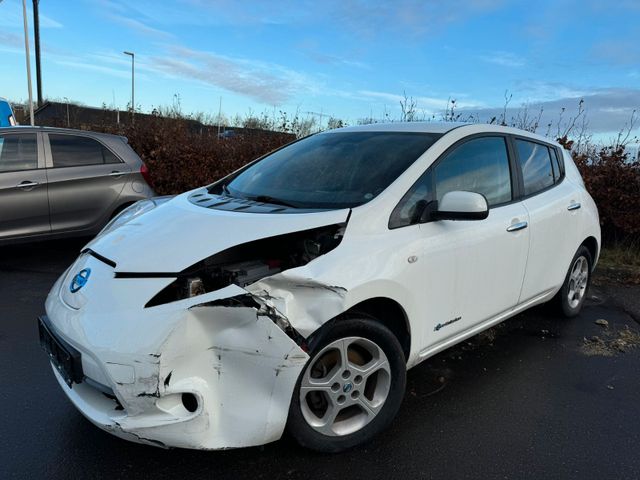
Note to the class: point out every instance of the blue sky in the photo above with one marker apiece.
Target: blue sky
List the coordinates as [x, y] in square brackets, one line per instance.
[347, 58]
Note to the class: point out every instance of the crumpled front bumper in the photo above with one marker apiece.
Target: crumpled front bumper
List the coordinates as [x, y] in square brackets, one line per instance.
[238, 365]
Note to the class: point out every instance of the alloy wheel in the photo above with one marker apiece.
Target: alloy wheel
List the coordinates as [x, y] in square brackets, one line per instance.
[578, 280]
[345, 386]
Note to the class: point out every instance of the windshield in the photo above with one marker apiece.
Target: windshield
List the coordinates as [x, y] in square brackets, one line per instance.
[337, 170]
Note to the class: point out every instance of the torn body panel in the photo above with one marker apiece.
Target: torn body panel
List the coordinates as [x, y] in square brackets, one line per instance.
[305, 304]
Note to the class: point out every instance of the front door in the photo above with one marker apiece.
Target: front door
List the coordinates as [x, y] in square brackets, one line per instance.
[24, 209]
[474, 269]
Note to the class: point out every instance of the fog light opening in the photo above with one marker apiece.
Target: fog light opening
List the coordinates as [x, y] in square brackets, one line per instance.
[190, 402]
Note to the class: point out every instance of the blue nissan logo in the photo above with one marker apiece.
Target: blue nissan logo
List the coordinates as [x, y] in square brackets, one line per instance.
[80, 280]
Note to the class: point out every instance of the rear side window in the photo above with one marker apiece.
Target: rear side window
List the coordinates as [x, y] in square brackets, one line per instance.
[18, 152]
[479, 165]
[74, 151]
[537, 168]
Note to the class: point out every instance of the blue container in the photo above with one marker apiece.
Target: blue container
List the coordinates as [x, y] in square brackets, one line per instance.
[7, 118]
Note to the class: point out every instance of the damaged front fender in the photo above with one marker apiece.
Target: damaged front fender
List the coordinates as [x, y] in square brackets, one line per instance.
[306, 304]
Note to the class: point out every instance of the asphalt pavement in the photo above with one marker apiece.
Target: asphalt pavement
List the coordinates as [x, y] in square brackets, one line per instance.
[537, 397]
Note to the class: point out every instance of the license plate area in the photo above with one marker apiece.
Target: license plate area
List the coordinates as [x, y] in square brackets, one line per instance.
[63, 356]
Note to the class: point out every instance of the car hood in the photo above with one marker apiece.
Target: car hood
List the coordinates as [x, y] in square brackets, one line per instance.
[177, 234]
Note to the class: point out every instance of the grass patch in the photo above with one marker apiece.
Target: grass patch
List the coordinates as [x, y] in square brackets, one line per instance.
[620, 262]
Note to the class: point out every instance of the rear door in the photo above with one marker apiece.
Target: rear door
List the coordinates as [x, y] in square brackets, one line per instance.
[24, 209]
[85, 181]
[553, 204]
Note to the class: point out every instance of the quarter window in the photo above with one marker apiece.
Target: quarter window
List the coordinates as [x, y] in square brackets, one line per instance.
[412, 205]
[537, 170]
[18, 152]
[480, 165]
[73, 151]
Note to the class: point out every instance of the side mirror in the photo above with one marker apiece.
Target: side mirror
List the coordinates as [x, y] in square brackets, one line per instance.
[459, 205]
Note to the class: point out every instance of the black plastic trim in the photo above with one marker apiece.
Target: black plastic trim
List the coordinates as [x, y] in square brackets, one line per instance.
[441, 215]
[111, 263]
[147, 275]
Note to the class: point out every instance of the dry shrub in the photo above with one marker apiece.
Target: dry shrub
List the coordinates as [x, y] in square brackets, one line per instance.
[181, 157]
[613, 180]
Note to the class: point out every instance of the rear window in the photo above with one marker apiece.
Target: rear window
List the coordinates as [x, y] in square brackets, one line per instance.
[73, 151]
[18, 152]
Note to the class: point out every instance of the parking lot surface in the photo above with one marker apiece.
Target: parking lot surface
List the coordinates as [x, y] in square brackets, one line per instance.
[536, 397]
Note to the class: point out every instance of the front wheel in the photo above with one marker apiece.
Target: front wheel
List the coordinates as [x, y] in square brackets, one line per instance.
[351, 388]
[573, 292]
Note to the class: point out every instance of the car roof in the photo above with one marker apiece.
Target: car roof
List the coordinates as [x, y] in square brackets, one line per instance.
[37, 128]
[422, 127]
[442, 128]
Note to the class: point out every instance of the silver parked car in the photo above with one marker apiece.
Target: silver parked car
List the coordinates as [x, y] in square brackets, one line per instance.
[59, 182]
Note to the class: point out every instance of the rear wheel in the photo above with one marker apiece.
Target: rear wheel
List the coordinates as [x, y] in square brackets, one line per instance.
[573, 292]
[351, 388]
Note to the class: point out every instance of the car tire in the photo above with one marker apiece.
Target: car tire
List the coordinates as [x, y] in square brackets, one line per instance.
[351, 388]
[573, 292]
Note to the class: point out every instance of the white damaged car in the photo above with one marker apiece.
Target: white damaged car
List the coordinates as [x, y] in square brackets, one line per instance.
[296, 292]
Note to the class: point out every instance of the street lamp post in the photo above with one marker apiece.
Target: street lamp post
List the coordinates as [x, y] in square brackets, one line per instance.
[67, 101]
[26, 48]
[133, 102]
[36, 39]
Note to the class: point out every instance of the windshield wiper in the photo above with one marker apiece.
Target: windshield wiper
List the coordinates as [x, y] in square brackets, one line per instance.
[275, 201]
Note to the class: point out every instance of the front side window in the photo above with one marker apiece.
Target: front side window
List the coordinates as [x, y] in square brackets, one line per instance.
[74, 151]
[535, 161]
[480, 165]
[18, 152]
[335, 170]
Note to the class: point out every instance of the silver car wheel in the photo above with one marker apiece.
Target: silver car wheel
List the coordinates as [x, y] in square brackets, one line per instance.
[344, 386]
[578, 279]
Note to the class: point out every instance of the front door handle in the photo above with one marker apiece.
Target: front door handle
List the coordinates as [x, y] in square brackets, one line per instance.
[574, 206]
[514, 227]
[27, 184]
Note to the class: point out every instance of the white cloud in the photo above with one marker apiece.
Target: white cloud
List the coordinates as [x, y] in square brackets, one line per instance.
[265, 82]
[140, 27]
[430, 104]
[504, 59]
[93, 67]
[11, 16]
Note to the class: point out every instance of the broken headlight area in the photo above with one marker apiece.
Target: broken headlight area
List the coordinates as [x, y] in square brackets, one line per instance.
[247, 263]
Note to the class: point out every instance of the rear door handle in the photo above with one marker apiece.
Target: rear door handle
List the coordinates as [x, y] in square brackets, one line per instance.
[27, 184]
[115, 174]
[517, 226]
[574, 206]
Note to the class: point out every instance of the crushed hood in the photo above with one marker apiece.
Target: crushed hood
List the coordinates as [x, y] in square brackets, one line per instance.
[178, 234]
